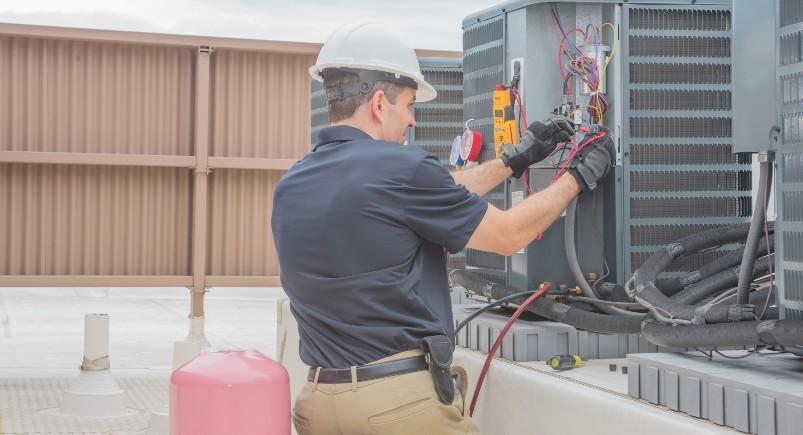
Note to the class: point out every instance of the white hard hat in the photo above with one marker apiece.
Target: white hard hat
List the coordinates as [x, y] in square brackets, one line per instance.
[373, 46]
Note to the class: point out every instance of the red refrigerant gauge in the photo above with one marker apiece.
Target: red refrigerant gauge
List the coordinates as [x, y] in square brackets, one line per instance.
[471, 144]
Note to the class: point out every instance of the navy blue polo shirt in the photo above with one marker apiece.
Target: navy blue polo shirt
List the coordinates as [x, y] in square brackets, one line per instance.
[360, 228]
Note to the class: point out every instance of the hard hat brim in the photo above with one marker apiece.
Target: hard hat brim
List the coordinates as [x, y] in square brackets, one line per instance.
[425, 92]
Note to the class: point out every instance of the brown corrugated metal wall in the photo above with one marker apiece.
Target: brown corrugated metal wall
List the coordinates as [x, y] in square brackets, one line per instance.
[128, 162]
[133, 159]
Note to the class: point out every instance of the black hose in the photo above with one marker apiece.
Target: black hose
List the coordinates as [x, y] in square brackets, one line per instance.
[578, 318]
[672, 286]
[569, 224]
[556, 311]
[715, 283]
[648, 294]
[494, 304]
[752, 333]
[756, 230]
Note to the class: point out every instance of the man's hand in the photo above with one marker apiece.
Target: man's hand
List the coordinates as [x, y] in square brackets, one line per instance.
[538, 142]
[593, 162]
[554, 130]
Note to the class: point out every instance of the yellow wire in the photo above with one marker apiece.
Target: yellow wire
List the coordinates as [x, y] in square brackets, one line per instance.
[613, 46]
[583, 106]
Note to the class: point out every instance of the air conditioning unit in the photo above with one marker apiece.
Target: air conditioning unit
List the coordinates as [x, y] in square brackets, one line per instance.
[669, 91]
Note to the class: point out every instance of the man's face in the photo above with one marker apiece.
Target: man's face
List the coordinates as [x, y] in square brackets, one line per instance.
[398, 117]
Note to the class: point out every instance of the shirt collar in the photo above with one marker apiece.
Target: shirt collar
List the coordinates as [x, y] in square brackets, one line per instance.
[340, 133]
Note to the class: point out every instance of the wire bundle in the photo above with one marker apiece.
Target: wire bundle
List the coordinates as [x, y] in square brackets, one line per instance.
[574, 63]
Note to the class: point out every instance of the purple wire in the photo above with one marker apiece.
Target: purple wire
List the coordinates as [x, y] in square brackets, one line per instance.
[560, 26]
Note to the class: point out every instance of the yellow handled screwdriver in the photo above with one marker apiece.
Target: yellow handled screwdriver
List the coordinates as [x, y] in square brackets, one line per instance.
[564, 362]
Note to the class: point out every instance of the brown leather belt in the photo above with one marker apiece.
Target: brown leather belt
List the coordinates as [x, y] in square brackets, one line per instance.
[370, 371]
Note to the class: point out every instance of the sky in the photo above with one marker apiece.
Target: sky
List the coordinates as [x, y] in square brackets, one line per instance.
[433, 24]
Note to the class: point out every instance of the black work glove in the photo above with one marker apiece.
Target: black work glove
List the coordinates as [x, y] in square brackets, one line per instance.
[555, 129]
[593, 162]
[538, 142]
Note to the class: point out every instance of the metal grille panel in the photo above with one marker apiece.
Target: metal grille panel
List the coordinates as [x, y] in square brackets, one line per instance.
[793, 314]
[498, 276]
[438, 77]
[440, 120]
[792, 88]
[439, 115]
[791, 48]
[691, 207]
[680, 127]
[485, 259]
[679, 100]
[793, 165]
[679, 167]
[792, 206]
[680, 73]
[319, 111]
[790, 192]
[658, 235]
[654, 181]
[483, 68]
[436, 133]
[456, 261]
[697, 154]
[791, 12]
[793, 285]
[679, 19]
[792, 126]
[679, 46]
[793, 246]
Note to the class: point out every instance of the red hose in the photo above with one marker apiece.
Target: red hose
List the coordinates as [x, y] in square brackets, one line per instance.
[541, 291]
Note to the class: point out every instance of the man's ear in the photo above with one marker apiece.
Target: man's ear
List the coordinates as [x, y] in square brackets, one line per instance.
[378, 105]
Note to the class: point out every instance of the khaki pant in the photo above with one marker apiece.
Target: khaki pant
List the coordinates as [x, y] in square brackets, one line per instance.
[403, 404]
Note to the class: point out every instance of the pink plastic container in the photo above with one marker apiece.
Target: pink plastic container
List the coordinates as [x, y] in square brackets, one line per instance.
[230, 392]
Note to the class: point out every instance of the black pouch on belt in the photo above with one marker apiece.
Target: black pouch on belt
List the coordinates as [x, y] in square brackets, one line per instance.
[439, 348]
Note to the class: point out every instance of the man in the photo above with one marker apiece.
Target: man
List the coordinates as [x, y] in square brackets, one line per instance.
[360, 226]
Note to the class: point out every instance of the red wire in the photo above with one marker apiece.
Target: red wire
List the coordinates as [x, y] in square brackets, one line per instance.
[523, 115]
[544, 288]
[527, 183]
[574, 153]
[521, 106]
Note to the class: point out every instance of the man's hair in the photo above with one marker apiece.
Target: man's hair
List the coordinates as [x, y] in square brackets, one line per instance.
[345, 108]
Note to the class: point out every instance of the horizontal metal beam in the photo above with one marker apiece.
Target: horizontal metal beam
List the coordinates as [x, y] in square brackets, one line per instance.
[242, 281]
[107, 159]
[250, 163]
[95, 281]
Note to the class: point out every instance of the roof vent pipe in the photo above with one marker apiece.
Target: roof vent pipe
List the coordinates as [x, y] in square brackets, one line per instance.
[95, 393]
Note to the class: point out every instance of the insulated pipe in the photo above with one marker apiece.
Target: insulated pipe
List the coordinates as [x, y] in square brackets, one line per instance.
[719, 281]
[672, 286]
[570, 246]
[646, 293]
[752, 333]
[756, 230]
[579, 318]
